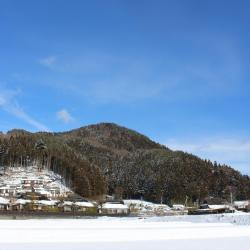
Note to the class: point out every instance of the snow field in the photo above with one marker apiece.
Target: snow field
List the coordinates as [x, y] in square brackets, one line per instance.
[126, 233]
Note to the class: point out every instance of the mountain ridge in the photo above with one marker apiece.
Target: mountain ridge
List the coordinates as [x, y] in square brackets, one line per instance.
[108, 158]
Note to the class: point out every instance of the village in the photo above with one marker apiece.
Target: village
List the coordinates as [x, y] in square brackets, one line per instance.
[34, 190]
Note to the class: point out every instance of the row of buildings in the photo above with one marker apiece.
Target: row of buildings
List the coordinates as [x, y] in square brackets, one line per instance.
[78, 207]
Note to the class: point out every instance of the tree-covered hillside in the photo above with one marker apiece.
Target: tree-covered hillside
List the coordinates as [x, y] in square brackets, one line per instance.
[107, 158]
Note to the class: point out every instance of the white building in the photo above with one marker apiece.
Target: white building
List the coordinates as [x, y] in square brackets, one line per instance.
[241, 205]
[113, 208]
[4, 204]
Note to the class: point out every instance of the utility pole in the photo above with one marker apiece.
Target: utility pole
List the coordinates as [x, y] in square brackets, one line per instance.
[162, 191]
[186, 200]
[141, 192]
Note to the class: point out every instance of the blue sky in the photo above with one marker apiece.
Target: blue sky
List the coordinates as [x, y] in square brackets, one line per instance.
[177, 71]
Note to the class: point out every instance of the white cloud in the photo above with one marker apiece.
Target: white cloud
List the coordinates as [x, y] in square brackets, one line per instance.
[9, 104]
[233, 151]
[48, 61]
[64, 116]
[20, 113]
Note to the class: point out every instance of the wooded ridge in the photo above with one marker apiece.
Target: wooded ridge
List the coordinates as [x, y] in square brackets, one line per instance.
[107, 158]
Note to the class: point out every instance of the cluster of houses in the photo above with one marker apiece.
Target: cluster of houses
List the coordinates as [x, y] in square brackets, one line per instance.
[77, 207]
[212, 208]
[30, 189]
[22, 181]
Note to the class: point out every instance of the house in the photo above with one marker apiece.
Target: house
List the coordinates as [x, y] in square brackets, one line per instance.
[44, 205]
[147, 208]
[212, 209]
[20, 204]
[66, 206]
[85, 206]
[178, 207]
[9, 190]
[48, 205]
[108, 198]
[31, 181]
[54, 191]
[4, 204]
[42, 192]
[137, 206]
[242, 205]
[12, 190]
[4, 191]
[113, 208]
[159, 209]
[34, 196]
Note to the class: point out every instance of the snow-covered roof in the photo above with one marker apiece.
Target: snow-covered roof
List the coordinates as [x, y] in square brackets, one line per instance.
[22, 201]
[146, 205]
[53, 188]
[67, 203]
[241, 203]
[4, 201]
[26, 190]
[178, 206]
[159, 207]
[47, 203]
[114, 206]
[137, 203]
[44, 192]
[217, 206]
[30, 179]
[84, 204]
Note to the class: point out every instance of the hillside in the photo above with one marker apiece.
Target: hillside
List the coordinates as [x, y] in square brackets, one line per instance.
[107, 158]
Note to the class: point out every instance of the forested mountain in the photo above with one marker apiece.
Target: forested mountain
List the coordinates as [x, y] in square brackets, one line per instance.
[107, 158]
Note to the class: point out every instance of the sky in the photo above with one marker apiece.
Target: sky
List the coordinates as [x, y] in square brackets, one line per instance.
[174, 70]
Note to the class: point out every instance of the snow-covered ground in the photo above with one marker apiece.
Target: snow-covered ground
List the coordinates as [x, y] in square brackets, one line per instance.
[215, 232]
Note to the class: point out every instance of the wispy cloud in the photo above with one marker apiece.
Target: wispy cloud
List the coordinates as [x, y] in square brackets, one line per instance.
[64, 116]
[48, 62]
[17, 111]
[233, 151]
[106, 79]
[9, 103]
[115, 91]
[121, 78]
[121, 91]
